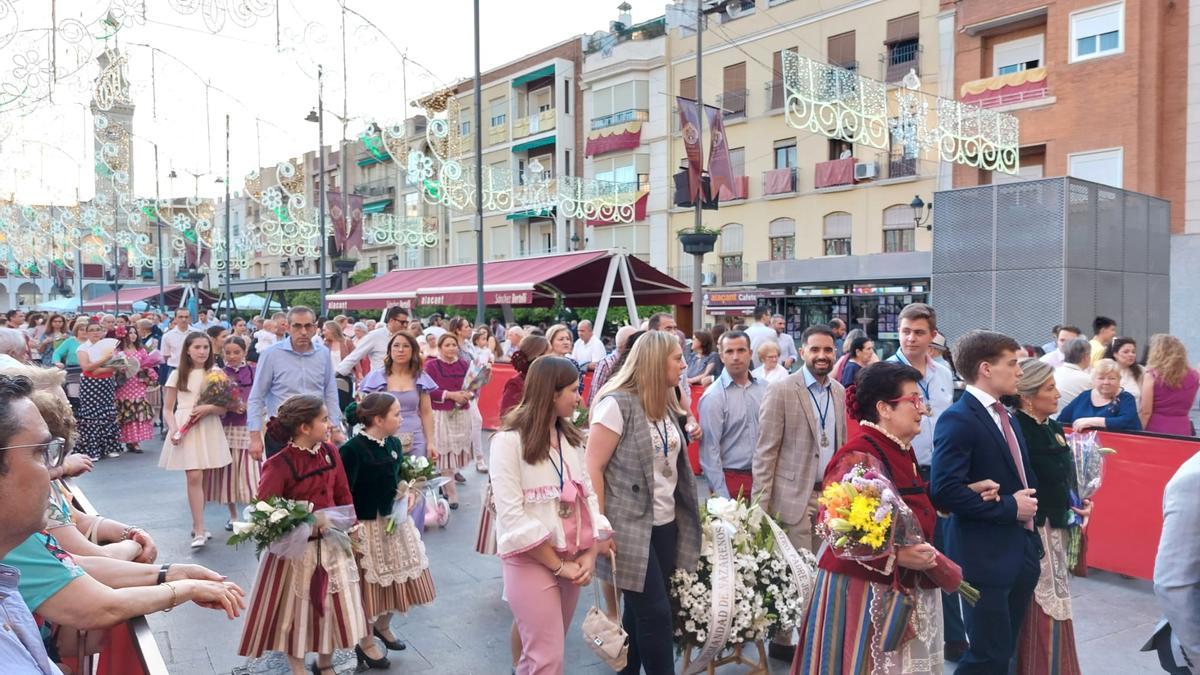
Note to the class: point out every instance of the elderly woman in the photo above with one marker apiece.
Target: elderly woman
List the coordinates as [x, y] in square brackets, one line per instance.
[1105, 405]
[862, 354]
[770, 370]
[1047, 639]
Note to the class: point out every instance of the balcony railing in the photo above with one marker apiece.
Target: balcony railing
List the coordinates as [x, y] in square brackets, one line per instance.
[898, 166]
[834, 173]
[733, 103]
[621, 117]
[900, 58]
[774, 94]
[1002, 98]
[497, 134]
[534, 124]
[779, 181]
[740, 190]
[375, 188]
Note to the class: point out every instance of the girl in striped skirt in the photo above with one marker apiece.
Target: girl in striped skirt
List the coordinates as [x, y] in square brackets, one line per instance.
[392, 562]
[235, 482]
[288, 612]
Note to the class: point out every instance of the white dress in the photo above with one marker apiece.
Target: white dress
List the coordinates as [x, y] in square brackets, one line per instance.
[204, 446]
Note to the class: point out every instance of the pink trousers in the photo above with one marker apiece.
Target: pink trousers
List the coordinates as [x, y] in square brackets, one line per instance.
[542, 605]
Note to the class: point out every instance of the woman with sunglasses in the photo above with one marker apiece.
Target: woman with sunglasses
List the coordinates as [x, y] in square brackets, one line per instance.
[1105, 405]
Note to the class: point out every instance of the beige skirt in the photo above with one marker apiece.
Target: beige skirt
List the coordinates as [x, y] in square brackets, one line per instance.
[395, 570]
[452, 438]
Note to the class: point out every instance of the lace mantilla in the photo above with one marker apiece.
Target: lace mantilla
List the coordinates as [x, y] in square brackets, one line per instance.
[391, 558]
[1053, 590]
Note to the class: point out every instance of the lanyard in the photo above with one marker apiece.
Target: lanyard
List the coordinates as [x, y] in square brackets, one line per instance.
[662, 435]
[920, 383]
[561, 465]
[822, 414]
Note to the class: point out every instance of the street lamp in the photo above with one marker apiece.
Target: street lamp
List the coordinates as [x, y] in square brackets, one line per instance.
[318, 116]
[921, 212]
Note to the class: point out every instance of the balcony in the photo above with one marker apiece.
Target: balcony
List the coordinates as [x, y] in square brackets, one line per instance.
[898, 166]
[621, 117]
[774, 94]
[534, 124]
[900, 58]
[834, 173]
[779, 181]
[375, 188]
[732, 102]
[497, 134]
[740, 190]
[1013, 89]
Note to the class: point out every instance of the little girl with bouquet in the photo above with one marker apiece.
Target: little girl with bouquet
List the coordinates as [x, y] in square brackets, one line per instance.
[392, 561]
[306, 598]
[235, 482]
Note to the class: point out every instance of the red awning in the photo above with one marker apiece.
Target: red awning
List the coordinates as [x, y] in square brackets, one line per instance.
[130, 295]
[579, 277]
[639, 212]
[611, 139]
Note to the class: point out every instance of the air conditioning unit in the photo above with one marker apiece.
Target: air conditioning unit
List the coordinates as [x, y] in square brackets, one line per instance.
[865, 171]
[708, 279]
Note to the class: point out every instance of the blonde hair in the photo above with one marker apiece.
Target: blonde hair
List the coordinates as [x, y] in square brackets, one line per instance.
[1168, 359]
[644, 374]
[766, 347]
[553, 331]
[1105, 367]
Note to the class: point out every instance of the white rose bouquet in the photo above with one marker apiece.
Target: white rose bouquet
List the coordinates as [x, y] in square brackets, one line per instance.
[414, 472]
[271, 520]
[748, 567]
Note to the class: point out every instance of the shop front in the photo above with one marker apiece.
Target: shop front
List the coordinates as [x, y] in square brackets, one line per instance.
[734, 306]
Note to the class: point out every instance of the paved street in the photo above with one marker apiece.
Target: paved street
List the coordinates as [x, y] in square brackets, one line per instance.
[466, 630]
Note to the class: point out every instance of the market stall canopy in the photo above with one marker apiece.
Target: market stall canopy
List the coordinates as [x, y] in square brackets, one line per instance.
[172, 293]
[582, 278]
[254, 301]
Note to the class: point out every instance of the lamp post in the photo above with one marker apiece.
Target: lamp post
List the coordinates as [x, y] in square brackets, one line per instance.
[922, 213]
[318, 116]
[478, 178]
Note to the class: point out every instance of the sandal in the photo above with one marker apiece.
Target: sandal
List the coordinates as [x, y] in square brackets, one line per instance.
[198, 541]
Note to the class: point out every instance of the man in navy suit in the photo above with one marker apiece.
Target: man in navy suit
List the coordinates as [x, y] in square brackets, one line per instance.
[993, 540]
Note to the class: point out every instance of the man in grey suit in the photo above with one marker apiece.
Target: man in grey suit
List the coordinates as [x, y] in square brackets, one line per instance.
[802, 422]
[1177, 567]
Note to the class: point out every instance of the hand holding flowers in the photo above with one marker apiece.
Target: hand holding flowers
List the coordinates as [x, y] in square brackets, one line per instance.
[269, 520]
[219, 394]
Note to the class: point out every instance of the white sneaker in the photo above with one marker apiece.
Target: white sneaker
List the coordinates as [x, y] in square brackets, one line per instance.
[199, 541]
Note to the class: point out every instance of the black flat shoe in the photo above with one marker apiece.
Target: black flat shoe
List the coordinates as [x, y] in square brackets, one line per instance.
[367, 663]
[453, 506]
[317, 670]
[396, 645]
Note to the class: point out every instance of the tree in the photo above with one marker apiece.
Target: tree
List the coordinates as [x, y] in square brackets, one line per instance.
[310, 299]
[362, 275]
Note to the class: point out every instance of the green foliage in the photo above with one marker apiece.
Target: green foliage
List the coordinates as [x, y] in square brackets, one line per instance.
[618, 316]
[307, 298]
[361, 276]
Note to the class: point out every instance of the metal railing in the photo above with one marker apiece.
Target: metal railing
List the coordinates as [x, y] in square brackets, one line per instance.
[1001, 98]
[900, 58]
[376, 187]
[733, 103]
[899, 166]
[631, 115]
[770, 187]
[775, 95]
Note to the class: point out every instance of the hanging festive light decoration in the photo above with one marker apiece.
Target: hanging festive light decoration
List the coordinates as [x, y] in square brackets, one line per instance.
[244, 13]
[842, 104]
[286, 226]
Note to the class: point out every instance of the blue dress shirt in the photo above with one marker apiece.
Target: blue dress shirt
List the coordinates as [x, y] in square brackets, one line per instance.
[284, 372]
[729, 420]
[21, 649]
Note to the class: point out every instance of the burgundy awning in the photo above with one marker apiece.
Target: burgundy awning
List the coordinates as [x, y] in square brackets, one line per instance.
[611, 139]
[579, 277]
[149, 294]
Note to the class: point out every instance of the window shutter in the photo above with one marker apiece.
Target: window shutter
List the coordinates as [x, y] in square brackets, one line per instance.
[782, 227]
[737, 161]
[841, 49]
[903, 28]
[898, 217]
[687, 87]
[602, 102]
[837, 225]
[735, 77]
[731, 238]
[622, 97]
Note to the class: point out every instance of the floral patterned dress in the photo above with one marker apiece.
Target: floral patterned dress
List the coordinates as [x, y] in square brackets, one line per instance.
[134, 413]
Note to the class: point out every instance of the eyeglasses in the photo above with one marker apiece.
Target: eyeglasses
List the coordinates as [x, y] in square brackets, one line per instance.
[304, 327]
[52, 451]
[917, 402]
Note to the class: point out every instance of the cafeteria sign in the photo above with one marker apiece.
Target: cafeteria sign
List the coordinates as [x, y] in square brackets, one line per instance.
[739, 302]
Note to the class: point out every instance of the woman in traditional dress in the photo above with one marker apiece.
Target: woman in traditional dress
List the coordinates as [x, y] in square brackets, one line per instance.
[403, 377]
[451, 411]
[1047, 640]
[204, 445]
[284, 616]
[843, 632]
[134, 413]
[98, 430]
[395, 570]
[472, 352]
[235, 482]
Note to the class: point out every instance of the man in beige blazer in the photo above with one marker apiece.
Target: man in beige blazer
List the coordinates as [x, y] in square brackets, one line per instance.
[802, 422]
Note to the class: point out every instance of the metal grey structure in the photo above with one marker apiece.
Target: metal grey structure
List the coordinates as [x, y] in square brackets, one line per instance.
[1020, 257]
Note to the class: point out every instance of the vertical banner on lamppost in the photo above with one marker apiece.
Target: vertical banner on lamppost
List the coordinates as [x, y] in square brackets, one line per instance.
[347, 232]
[195, 255]
[719, 170]
[689, 124]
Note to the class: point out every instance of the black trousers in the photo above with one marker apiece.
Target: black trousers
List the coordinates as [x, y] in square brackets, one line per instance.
[647, 616]
[994, 623]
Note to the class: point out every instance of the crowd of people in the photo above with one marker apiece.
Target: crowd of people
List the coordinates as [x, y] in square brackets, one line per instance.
[327, 410]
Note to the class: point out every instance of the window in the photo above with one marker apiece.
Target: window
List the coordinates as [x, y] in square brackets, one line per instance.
[464, 246]
[840, 50]
[620, 103]
[464, 122]
[776, 91]
[1097, 32]
[566, 96]
[737, 161]
[412, 205]
[903, 46]
[839, 149]
[837, 233]
[1017, 55]
[496, 176]
[899, 230]
[733, 99]
[782, 232]
[1101, 166]
[687, 87]
[629, 170]
[730, 240]
[785, 153]
[499, 111]
[731, 269]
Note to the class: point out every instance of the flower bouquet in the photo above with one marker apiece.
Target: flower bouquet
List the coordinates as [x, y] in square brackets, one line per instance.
[750, 583]
[479, 373]
[1089, 462]
[268, 521]
[863, 518]
[414, 472]
[218, 390]
[148, 375]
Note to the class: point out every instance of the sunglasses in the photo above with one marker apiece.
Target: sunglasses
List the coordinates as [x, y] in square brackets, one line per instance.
[52, 451]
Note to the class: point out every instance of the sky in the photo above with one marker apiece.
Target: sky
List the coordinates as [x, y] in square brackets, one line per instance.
[185, 79]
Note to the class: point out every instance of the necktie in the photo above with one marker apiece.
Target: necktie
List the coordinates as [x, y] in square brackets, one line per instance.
[1013, 447]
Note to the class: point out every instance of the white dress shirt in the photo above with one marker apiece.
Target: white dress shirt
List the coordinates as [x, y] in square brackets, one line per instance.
[373, 345]
[585, 353]
[172, 345]
[1071, 381]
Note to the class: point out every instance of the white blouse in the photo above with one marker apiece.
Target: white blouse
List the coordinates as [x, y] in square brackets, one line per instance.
[607, 413]
[526, 496]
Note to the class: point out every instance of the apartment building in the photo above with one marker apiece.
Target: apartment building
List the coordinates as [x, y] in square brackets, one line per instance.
[531, 119]
[629, 132]
[820, 227]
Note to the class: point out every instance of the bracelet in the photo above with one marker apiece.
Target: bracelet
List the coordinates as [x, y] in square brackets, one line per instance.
[128, 532]
[162, 573]
[561, 564]
[174, 597]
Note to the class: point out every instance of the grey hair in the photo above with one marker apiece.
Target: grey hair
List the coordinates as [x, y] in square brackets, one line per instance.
[299, 309]
[854, 335]
[580, 324]
[1076, 351]
[12, 342]
[1034, 373]
[623, 334]
[11, 389]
